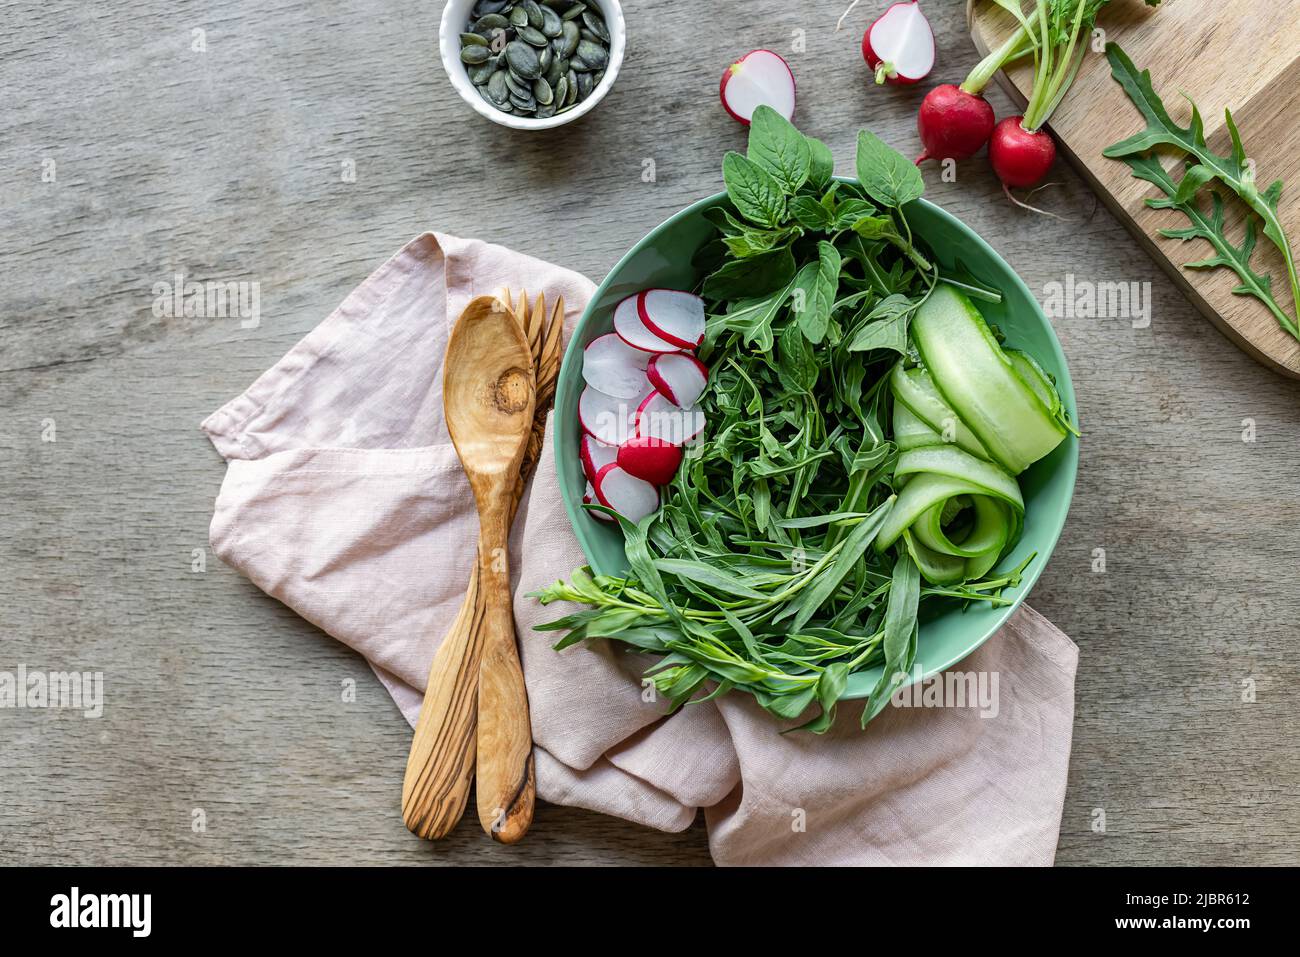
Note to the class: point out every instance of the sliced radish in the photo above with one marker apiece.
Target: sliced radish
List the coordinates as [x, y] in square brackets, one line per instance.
[630, 328]
[676, 317]
[589, 498]
[658, 418]
[611, 366]
[758, 77]
[608, 418]
[631, 497]
[679, 376]
[899, 46]
[654, 460]
[595, 455]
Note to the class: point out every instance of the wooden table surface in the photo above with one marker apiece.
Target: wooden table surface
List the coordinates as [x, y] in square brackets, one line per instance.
[127, 155]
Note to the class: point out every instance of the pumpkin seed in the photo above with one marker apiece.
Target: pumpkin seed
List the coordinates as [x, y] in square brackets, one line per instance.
[588, 35]
[546, 58]
[519, 17]
[534, 13]
[593, 54]
[497, 87]
[497, 42]
[573, 85]
[523, 59]
[565, 108]
[597, 77]
[474, 54]
[473, 40]
[520, 103]
[534, 37]
[517, 86]
[478, 75]
[542, 91]
[485, 7]
[585, 85]
[551, 23]
[493, 21]
[571, 38]
[545, 111]
[561, 91]
[573, 12]
[596, 25]
[554, 71]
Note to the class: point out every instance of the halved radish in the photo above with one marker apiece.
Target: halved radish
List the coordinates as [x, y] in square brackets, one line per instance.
[679, 376]
[589, 498]
[654, 460]
[630, 328]
[631, 497]
[676, 317]
[608, 418]
[658, 418]
[899, 46]
[758, 77]
[611, 366]
[595, 455]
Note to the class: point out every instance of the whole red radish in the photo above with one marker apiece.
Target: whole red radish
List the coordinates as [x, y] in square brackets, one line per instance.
[653, 460]
[1020, 157]
[899, 45]
[953, 123]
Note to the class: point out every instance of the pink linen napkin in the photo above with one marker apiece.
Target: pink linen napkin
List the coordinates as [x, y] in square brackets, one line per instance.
[345, 500]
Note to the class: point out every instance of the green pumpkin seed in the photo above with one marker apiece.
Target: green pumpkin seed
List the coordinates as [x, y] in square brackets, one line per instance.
[597, 77]
[478, 75]
[546, 58]
[588, 35]
[593, 54]
[571, 37]
[573, 12]
[522, 103]
[545, 111]
[473, 40]
[565, 108]
[561, 91]
[486, 7]
[573, 85]
[497, 40]
[474, 54]
[554, 71]
[542, 91]
[497, 87]
[517, 86]
[552, 25]
[534, 13]
[523, 59]
[493, 21]
[596, 25]
[585, 85]
[519, 17]
[533, 37]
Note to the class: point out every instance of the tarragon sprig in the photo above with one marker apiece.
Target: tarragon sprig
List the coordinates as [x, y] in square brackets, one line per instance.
[1234, 172]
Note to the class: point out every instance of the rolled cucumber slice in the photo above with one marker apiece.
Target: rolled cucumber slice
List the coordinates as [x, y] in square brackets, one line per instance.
[978, 381]
[915, 389]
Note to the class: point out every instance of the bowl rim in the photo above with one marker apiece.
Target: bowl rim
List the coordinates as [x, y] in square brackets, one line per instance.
[1070, 464]
[458, 74]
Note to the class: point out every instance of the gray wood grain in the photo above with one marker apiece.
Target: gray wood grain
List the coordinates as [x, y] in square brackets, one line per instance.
[226, 164]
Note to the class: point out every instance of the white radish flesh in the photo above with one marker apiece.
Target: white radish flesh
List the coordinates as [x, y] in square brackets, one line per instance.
[759, 77]
[630, 328]
[611, 366]
[658, 418]
[595, 455]
[676, 317]
[589, 498]
[631, 497]
[650, 459]
[899, 46]
[609, 418]
[679, 377]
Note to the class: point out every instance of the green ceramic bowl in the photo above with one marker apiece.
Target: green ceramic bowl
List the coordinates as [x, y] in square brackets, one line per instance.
[663, 259]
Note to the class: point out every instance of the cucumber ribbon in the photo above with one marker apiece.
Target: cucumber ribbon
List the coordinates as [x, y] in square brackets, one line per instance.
[967, 420]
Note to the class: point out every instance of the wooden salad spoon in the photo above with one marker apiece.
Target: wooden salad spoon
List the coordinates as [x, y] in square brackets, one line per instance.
[443, 749]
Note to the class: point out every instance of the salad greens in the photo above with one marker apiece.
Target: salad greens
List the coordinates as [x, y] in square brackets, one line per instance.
[1203, 167]
[781, 561]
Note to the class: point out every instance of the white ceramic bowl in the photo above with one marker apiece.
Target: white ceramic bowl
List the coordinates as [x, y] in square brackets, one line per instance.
[455, 21]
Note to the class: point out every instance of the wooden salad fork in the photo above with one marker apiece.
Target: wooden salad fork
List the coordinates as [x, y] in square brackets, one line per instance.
[449, 736]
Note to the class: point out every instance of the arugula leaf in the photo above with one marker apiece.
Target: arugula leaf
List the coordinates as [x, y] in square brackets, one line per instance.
[1234, 172]
[886, 174]
[900, 628]
[755, 193]
[780, 149]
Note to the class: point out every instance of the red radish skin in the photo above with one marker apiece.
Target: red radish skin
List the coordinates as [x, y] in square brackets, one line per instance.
[595, 455]
[1020, 157]
[629, 327]
[759, 77]
[953, 124]
[679, 376]
[631, 497]
[899, 45]
[658, 418]
[676, 317]
[653, 460]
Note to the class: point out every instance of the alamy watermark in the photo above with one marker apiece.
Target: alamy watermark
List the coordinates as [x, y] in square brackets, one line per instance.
[59, 690]
[950, 689]
[1087, 299]
[214, 299]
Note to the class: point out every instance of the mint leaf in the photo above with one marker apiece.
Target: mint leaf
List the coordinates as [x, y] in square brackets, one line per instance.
[753, 191]
[889, 177]
[822, 168]
[752, 277]
[814, 292]
[780, 149]
[810, 214]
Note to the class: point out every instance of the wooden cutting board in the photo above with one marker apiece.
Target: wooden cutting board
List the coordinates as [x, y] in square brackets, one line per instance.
[1239, 54]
